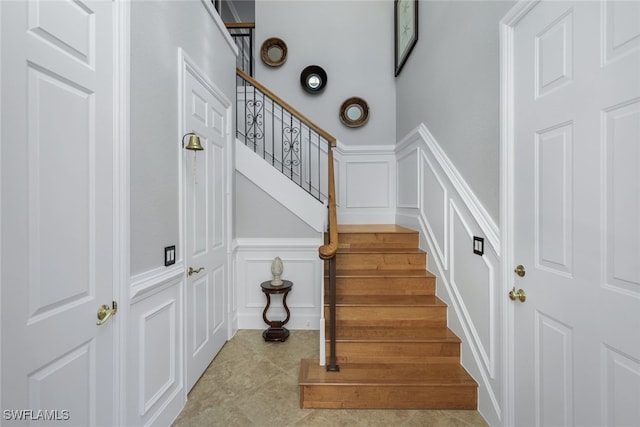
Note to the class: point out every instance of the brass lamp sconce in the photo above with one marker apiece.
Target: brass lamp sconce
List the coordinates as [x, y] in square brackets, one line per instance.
[194, 142]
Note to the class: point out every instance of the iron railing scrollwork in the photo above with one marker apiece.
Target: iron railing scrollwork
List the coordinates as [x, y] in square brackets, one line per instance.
[280, 135]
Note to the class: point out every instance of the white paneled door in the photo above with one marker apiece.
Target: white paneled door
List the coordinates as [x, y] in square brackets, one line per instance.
[206, 113]
[577, 214]
[57, 212]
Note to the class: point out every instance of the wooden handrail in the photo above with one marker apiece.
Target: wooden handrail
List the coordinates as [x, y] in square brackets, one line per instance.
[326, 135]
[329, 250]
[240, 24]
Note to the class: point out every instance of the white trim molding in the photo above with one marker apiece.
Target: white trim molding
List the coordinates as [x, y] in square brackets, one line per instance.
[507, 28]
[448, 215]
[122, 197]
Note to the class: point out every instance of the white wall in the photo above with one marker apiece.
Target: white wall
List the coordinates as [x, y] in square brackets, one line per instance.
[158, 29]
[451, 84]
[353, 42]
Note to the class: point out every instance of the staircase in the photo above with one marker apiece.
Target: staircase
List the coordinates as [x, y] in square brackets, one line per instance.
[393, 346]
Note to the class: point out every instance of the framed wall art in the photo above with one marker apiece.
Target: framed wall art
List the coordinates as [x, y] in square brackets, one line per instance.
[405, 30]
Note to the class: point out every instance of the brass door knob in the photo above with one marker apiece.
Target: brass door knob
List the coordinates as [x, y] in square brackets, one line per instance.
[520, 271]
[519, 294]
[105, 312]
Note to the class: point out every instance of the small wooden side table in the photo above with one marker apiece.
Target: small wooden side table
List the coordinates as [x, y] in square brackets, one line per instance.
[276, 331]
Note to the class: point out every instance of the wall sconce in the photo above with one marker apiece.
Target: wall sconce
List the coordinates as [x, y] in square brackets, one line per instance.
[194, 142]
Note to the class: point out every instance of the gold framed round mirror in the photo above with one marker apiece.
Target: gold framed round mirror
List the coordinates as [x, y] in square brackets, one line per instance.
[354, 112]
[273, 52]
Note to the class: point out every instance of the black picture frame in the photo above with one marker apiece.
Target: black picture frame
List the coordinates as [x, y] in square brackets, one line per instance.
[405, 31]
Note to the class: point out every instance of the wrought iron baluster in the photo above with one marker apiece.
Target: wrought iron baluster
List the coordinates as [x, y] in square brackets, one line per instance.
[264, 148]
[273, 135]
[282, 140]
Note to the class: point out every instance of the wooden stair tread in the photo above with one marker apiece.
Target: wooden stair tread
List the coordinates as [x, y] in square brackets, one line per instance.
[375, 374]
[378, 274]
[371, 334]
[373, 228]
[388, 300]
[380, 251]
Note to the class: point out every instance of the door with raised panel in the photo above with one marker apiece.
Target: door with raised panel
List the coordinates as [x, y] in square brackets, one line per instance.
[205, 113]
[577, 214]
[57, 164]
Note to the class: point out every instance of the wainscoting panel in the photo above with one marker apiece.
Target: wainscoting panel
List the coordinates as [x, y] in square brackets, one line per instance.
[364, 181]
[301, 265]
[407, 166]
[473, 276]
[433, 207]
[367, 185]
[155, 348]
[449, 216]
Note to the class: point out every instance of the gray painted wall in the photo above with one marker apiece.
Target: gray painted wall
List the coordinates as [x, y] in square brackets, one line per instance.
[237, 10]
[258, 215]
[158, 28]
[353, 42]
[451, 83]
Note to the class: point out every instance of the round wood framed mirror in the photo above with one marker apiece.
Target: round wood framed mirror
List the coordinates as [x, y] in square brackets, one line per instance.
[354, 112]
[273, 52]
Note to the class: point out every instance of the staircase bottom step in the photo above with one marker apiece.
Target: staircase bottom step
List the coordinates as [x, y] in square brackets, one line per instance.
[387, 386]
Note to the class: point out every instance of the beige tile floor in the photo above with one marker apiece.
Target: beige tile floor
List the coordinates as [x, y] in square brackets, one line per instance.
[254, 383]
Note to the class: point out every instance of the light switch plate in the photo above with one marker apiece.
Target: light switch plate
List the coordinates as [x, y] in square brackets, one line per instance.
[169, 255]
[478, 245]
